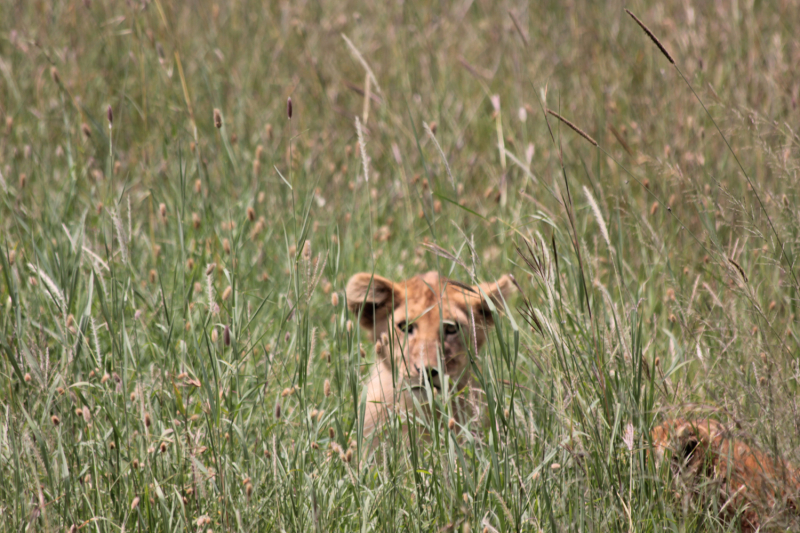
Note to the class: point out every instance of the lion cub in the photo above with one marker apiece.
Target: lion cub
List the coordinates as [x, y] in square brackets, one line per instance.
[423, 325]
[750, 482]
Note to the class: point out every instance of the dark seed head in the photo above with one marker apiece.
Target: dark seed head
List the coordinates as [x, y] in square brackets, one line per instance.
[289, 108]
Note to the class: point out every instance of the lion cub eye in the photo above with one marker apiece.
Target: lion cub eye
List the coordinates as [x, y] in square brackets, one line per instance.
[451, 328]
[406, 328]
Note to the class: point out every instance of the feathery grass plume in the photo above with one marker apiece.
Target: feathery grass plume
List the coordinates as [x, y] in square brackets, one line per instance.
[363, 149]
[335, 299]
[627, 437]
[217, 118]
[121, 237]
[312, 345]
[363, 61]
[651, 35]
[110, 116]
[210, 291]
[430, 130]
[135, 503]
[227, 293]
[94, 338]
[55, 292]
[289, 108]
[598, 215]
[326, 388]
[575, 128]
[501, 143]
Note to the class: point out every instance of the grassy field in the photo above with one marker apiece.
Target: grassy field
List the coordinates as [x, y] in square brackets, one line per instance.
[173, 358]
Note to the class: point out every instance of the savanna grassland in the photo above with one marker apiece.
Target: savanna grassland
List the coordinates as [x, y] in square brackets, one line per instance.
[176, 352]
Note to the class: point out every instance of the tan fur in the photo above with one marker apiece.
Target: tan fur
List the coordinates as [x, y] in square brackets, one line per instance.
[749, 480]
[432, 305]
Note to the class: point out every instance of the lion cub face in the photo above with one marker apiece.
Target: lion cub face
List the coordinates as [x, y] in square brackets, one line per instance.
[426, 321]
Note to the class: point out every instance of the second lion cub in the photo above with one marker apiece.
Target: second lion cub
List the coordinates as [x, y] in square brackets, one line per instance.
[424, 324]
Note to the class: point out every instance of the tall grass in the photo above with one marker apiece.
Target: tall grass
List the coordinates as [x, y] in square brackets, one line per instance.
[174, 357]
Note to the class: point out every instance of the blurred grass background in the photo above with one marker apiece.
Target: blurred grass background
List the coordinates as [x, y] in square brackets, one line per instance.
[143, 389]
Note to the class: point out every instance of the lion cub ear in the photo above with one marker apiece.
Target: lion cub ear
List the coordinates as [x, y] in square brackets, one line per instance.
[372, 297]
[497, 291]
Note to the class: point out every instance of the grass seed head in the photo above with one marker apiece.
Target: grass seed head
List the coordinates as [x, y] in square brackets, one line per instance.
[652, 36]
[217, 118]
[327, 388]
